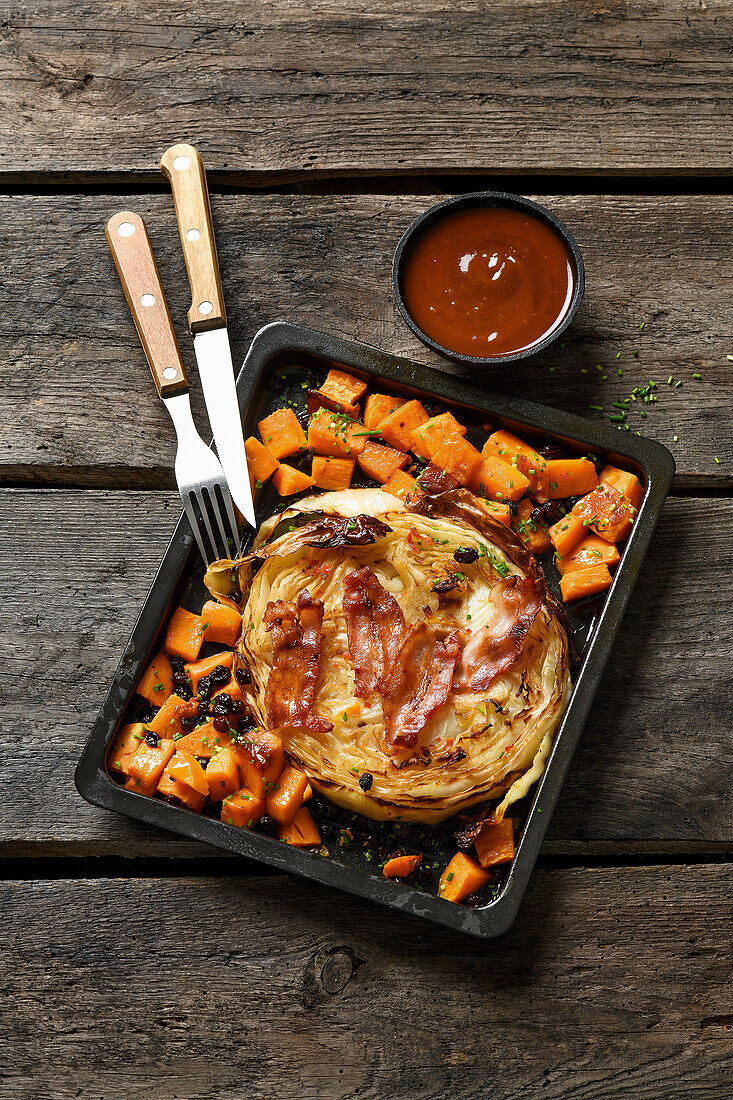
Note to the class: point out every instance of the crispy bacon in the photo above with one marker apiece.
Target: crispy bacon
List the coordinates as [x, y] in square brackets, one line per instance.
[495, 648]
[296, 638]
[375, 627]
[419, 682]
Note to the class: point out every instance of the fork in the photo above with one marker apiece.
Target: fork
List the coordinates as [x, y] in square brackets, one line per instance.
[201, 482]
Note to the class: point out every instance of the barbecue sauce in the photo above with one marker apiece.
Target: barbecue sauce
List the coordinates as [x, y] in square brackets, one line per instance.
[488, 281]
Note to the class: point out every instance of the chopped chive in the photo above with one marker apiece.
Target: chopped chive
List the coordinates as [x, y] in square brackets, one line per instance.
[717, 460]
[618, 354]
[583, 370]
[675, 439]
[670, 380]
[697, 376]
[596, 408]
[677, 385]
[641, 326]
[620, 373]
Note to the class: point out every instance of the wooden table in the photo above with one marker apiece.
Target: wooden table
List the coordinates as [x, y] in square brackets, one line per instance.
[138, 964]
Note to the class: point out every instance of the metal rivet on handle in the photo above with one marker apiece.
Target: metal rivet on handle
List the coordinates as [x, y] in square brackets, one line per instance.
[169, 373]
[193, 235]
[147, 300]
[181, 163]
[125, 229]
[205, 307]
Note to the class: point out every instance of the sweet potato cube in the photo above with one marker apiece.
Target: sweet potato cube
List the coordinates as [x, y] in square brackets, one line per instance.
[567, 532]
[156, 683]
[185, 767]
[332, 473]
[260, 462]
[206, 666]
[302, 831]
[495, 843]
[147, 766]
[533, 533]
[287, 480]
[593, 550]
[498, 481]
[242, 809]
[585, 582]
[223, 773]
[459, 458]
[401, 866]
[518, 454]
[380, 462]
[500, 512]
[181, 792]
[434, 433]
[398, 426]
[400, 484]
[286, 799]
[343, 388]
[282, 434]
[204, 741]
[378, 406]
[570, 477]
[334, 435]
[220, 623]
[125, 748]
[461, 878]
[184, 637]
[167, 722]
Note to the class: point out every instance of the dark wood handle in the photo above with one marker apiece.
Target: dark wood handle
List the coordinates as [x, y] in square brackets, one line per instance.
[133, 256]
[185, 170]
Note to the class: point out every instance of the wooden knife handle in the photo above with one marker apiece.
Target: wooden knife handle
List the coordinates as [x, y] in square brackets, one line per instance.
[185, 170]
[130, 246]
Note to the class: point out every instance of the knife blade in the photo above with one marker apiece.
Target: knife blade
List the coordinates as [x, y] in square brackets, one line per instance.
[207, 321]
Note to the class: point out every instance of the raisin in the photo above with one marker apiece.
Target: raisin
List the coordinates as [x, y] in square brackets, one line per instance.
[236, 706]
[328, 830]
[474, 901]
[202, 709]
[188, 722]
[220, 676]
[366, 780]
[151, 739]
[466, 555]
[267, 825]
[204, 686]
[235, 594]
[220, 725]
[246, 723]
[243, 676]
[221, 704]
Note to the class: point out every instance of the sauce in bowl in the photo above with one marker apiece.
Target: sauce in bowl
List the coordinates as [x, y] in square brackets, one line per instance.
[488, 281]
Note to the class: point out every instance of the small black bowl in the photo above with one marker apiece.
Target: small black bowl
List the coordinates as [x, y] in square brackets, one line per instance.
[471, 201]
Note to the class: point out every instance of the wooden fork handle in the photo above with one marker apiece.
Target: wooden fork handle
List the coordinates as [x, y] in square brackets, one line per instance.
[132, 253]
[185, 170]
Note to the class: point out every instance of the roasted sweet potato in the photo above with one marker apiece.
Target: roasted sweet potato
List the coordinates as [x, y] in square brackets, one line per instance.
[533, 533]
[181, 792]
[282, 434]
[220, 624]
[436, 431]
[184, 636]
[302, 831]
[287, 480]
[401, 866]
[125, 747]
[167, 722]
[204, 741]
[462, 877]
[243, 809]
[260, 462]
[343, 388]
[520, 456]
[380, 462]
[498, 481]
[567, 532]
[332, 473]
[378, 406]
[336, 436]
[207, 665]
[585, 582]
[570, 477]
[502, 512]
[147, 765]
[223, 773]
[287, 797]
[495, 843]
[593, 550]
[398, 426]
[156, 683]
[400, 484]
[459, 458]
[621, 522]
[185, 767]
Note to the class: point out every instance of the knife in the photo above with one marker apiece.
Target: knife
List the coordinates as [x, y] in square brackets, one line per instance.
[207, 320]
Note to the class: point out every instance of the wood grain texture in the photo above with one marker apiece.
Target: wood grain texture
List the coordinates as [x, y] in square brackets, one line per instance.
[651, 774]
[288, 87]
[613, 983]
[78, 407]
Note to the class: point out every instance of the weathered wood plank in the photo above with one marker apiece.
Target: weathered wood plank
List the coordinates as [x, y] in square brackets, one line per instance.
[80, 406]
[650, 774]
[221, 988]
[286, 87]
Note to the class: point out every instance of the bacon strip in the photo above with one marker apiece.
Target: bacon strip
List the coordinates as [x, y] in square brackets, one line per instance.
[296, 637]
[375, 627]
[495, 648]
[418, 683]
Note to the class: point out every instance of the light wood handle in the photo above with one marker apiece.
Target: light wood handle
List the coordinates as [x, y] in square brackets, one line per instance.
[185, 170]
[130, 246]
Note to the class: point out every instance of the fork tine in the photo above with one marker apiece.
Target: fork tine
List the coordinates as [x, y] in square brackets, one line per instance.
[218, 517]
[229, 508]
[193, 520]
[201, 500]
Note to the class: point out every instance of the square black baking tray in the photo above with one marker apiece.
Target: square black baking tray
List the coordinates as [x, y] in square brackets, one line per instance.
[280, 356]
